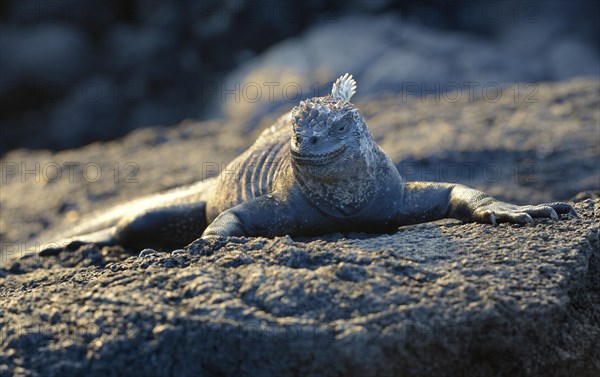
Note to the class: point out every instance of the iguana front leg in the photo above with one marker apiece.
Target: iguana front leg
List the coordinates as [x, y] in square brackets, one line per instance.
[265, 216]
[428, 201]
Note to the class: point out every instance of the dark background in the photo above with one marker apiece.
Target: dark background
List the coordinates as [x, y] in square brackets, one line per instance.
[73, 72]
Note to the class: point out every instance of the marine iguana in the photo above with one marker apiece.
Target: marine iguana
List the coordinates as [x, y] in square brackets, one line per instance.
[317, 170]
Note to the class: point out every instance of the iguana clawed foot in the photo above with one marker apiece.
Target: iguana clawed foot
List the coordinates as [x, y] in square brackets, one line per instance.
[500, 212]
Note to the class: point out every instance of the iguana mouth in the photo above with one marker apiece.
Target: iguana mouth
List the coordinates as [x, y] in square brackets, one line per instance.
[318, 159]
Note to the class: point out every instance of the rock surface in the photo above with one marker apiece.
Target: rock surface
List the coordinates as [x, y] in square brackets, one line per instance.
[389, 54]
[433, 299]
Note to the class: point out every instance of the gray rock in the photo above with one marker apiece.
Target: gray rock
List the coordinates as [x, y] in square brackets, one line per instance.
[50, 54]
[434, 299]
[570, 57]
[179, 252]
[390, 54]
[91, 102]
[147, 252]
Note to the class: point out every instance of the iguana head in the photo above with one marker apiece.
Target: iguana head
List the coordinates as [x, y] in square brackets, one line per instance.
[330, 139]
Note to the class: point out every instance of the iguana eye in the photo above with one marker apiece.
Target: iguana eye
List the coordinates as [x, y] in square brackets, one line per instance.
[343, 123]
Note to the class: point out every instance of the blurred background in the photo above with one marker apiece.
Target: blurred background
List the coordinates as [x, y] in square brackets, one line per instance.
[73, 72]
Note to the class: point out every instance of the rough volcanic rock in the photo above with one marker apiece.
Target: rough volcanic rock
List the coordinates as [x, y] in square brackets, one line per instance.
[433, 299]
[390, 54]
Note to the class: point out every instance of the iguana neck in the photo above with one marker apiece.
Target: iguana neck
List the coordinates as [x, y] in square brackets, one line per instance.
[340, 198]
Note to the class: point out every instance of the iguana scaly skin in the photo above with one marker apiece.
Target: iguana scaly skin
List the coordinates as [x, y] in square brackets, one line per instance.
[317, 170]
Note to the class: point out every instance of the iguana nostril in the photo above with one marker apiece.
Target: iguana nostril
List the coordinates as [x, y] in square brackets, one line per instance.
[313, 140]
